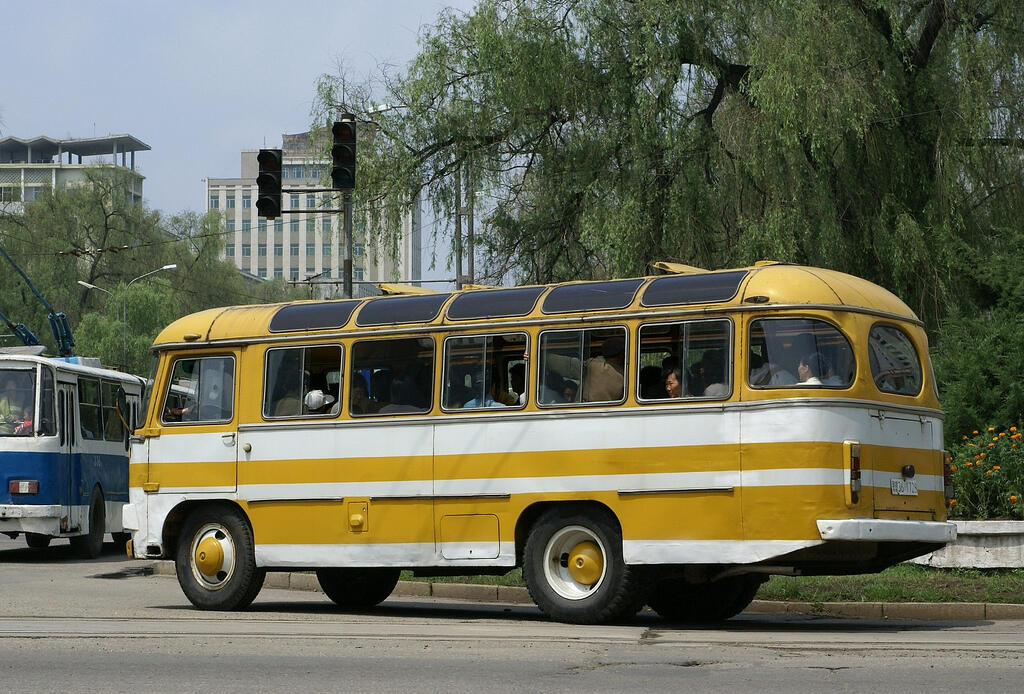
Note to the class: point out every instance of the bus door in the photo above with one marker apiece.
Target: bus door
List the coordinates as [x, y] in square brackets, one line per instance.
[196, 449]
[67, 435]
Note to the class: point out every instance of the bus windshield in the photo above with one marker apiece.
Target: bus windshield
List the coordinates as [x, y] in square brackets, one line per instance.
[17, 401]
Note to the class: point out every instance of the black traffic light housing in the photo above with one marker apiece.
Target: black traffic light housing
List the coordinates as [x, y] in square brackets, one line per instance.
[268, 183]
[343, 154]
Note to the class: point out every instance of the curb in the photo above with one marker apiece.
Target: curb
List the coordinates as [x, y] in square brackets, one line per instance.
[514, 595]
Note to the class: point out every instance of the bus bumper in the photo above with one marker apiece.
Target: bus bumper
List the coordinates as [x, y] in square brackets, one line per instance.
[26, 518]
[879, 530]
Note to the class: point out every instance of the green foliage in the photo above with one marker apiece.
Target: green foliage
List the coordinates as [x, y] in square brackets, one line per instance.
[988, 475]
[877, 137]
[94, 233]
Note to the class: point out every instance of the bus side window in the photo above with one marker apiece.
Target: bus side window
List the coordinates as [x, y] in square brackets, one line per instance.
[47, 419]
[200, 390]
[689, 359]
[799, 352]
[302, 381]
[401, 376]
[113, 429]
[582, 366]
[90, 413]
[482, 371]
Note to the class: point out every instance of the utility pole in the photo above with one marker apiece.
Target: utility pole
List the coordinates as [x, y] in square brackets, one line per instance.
[458, 224]
[347, 290]
[470, 250]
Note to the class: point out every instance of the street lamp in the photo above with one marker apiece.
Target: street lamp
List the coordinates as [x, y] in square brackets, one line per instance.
[124, 306]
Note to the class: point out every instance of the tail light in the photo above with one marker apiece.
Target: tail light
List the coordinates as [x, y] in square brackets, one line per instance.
[851, 472]
[947, 476]
[23, 487]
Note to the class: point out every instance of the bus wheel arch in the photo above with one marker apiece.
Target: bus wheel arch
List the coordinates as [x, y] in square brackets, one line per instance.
[90, 545]
[214, 557]
[573, 566]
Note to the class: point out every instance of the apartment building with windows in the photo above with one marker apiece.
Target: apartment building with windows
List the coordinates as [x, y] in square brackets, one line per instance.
[306, 243]
[30, 166]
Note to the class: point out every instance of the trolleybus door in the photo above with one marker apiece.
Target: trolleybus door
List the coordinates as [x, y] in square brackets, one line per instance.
[67, 434]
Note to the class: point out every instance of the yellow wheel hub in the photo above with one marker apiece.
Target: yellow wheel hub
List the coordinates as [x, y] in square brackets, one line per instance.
[586, 563]
[209, 556]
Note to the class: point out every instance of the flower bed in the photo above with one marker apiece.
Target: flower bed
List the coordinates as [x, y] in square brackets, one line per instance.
[988, 475]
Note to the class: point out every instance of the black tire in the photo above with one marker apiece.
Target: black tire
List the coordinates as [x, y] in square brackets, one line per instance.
[680, 601]
[90, 545]
[215, 559]
[573, 568]
[37, 541]
[357, 588]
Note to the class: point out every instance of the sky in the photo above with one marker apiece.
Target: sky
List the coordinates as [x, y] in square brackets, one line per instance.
[196, 81]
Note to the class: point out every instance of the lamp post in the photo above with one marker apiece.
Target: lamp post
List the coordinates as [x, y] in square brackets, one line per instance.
[124, 306]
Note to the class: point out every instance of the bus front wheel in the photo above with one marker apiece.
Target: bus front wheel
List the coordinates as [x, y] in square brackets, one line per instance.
[573, 568]
[90, 545]
[357, 588]
[215, 560]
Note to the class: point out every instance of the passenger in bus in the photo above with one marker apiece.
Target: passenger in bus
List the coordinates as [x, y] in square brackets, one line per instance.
[604, 379]
[764, 373]
[710, 379]
[674, 383]
[12, 405]
[359, 399]
[652, 382]
[810, 369]
[517, 381]
[570, 390]
[489, 387]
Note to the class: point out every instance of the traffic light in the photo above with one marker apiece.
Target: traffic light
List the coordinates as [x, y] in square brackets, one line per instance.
[268, 183]
[343, 155]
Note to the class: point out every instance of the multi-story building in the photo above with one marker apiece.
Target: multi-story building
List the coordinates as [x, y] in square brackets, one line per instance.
[27, 167]
[305, 243]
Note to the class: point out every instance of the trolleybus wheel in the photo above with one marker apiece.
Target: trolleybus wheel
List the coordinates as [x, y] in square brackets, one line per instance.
[37, 540]
[215, 561]
[704, 602]
[357, 588]
[573, 568]
[90, 545]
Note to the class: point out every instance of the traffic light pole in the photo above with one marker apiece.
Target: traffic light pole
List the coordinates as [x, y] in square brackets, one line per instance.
[347, 289]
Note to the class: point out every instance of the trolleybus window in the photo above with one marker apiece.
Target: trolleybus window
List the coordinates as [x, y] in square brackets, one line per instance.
[47, 420]
[481, 371]
[113, 429]
[302, 381]
[392, 376]
[200, 390]
[588, 363]
[685, 360]
[17, 400]
[799, 352]
[895, 366]
[90, 415]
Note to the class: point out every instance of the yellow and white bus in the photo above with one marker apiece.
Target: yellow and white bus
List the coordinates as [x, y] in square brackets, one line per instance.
[668, 441]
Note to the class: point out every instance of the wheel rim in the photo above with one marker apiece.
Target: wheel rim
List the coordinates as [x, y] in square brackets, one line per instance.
[212, 556]
[574, 562]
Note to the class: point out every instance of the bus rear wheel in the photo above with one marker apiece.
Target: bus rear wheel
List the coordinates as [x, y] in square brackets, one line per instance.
[37, 541]
[215, 559]
[357, 588]
[573, 567]
[90, 545]
[704, 602]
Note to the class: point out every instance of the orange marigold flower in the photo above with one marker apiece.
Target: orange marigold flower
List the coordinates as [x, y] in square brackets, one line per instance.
[996, 467]
[1002, 433]
[983, 455]
[952, 502]
[1017, 435]
[952, 468]
[988, 472]
[991, 445]
[964, 437]
[991, 428]
[969, 464]
[1013, 428]
[1013, 498]
[995, 438]
[975, 431]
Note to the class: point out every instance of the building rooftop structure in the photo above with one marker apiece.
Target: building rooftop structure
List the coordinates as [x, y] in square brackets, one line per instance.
[29, 165]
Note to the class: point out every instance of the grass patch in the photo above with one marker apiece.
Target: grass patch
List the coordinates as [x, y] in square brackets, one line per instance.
[900, 583]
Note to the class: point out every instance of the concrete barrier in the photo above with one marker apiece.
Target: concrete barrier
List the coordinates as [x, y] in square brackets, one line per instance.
[981, 545]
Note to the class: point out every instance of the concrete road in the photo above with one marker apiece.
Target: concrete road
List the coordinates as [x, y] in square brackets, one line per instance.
[103, 625]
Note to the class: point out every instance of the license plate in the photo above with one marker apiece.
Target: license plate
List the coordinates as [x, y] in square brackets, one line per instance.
[903, 487]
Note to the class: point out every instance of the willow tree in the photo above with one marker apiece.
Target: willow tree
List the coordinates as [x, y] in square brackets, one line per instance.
[877, 137]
